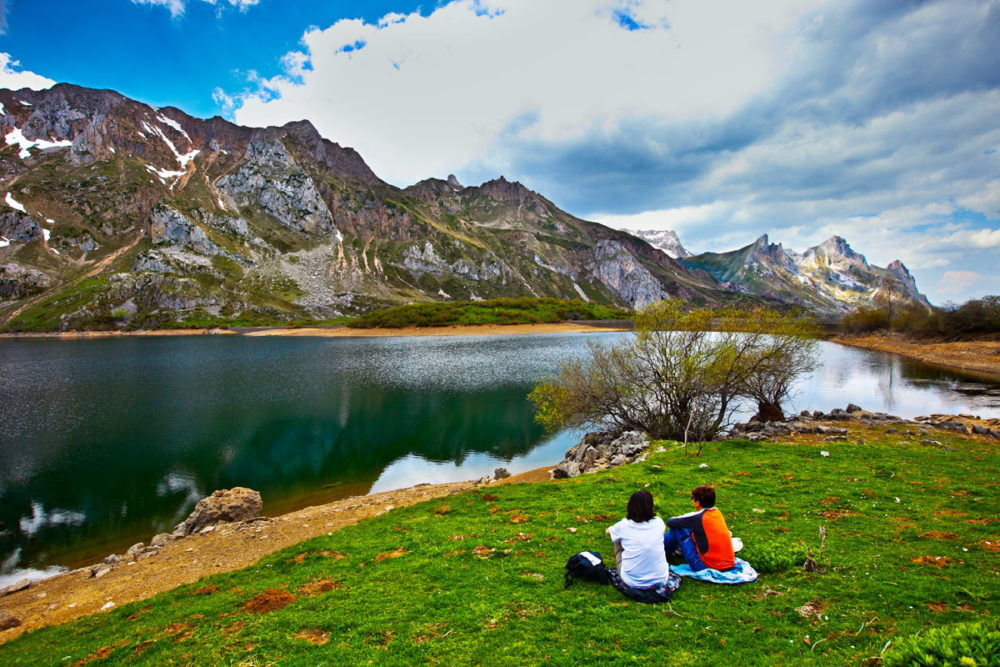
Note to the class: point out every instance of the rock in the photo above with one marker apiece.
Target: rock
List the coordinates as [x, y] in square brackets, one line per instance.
[630, 443]
[112, 559]
[500, 473]
[159, 540]
[99, 571]
[618, 460]
[852, 408]
[980, 430]
[8, 620]
[19, 585]
[952, 425]
[223, 506]
[134, 550]
[566, 469]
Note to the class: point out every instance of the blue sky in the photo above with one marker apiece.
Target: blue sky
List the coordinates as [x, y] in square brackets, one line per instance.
[721, 119]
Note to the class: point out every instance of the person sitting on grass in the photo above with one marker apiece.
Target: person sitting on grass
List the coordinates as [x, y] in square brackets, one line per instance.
[701, 536]
[638, 541]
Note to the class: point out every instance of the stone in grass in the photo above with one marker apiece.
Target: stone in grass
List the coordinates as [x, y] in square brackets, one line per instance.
[501, 473]
[8, 620]
[223, 506]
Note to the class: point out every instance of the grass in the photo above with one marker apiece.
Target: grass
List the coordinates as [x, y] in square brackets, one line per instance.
[476, 578]
[492, 311]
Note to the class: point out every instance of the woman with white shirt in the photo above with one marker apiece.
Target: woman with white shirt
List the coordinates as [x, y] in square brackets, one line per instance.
[638, 540]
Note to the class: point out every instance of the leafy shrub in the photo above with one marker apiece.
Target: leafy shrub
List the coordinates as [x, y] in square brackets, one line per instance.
[774, 555]
[962, 645]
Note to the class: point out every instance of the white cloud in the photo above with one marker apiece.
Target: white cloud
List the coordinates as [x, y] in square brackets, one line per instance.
[964, 284]
[14, 78]
[429, 95]
[985, 201]
[177, 7]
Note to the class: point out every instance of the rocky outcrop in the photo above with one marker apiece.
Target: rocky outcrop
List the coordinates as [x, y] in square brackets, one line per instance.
[17, 281]
[19, 227]
[270, 177]
[624, 275]
[169, 226]
[223, 506]
[602, 450]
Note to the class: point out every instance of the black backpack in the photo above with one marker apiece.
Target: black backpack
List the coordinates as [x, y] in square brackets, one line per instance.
[586, 565]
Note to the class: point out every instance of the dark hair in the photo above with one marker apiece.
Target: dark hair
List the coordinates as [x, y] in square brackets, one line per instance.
[640, 506]
[705, 495]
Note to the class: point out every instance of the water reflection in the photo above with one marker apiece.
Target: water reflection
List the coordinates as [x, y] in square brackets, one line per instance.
[104, 443]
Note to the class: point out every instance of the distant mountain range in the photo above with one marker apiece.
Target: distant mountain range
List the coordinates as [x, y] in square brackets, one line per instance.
[828, 278]
[117, 213]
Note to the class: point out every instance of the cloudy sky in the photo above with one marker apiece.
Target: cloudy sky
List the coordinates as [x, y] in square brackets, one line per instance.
[875, 120]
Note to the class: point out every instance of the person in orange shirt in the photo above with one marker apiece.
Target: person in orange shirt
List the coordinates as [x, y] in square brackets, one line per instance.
[702, 536]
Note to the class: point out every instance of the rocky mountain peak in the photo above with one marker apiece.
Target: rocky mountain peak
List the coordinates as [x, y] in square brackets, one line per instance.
[453, 182]
[765, 253]
[663, 239]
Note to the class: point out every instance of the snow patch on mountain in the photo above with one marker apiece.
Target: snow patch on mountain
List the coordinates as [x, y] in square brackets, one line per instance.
[664, 239]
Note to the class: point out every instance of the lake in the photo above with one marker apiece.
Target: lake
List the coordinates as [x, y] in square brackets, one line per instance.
[104, 443]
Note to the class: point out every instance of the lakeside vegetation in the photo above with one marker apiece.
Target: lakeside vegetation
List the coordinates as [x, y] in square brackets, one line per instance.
[524, 310]
[973, 318]
[476, 578]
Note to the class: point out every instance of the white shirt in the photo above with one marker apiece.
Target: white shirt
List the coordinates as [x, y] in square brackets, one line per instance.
[644, 563]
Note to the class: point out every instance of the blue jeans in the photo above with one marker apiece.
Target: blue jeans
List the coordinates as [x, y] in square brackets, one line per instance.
[681, 537]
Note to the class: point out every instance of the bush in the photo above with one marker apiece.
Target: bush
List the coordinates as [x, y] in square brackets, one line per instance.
[774, 555]
[682, 375]
[964, 644]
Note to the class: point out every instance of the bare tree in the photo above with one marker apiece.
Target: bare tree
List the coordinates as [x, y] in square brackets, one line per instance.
[682, 373]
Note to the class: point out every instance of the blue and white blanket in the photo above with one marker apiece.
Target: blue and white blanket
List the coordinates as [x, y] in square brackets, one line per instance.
[740, 573]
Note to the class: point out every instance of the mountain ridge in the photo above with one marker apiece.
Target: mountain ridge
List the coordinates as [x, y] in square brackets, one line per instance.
[119, 214]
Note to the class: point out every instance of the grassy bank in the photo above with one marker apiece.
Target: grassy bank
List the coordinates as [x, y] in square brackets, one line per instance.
[492, 311]
[476, 578]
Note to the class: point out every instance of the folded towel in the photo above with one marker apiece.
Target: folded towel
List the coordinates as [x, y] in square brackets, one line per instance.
[740, 573]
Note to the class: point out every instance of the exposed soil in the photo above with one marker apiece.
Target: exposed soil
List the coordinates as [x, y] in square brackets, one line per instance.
[228, 547]
[977, 356]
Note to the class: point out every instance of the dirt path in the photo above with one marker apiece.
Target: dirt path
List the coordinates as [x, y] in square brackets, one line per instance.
[97, 267]
[228, 547]
[981, 356]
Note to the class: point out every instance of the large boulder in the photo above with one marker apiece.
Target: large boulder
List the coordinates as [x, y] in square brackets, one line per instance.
[223, 506]
[601, 450]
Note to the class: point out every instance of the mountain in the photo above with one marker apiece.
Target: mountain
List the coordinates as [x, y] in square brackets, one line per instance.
[664, 239]
[120, 214]
[830, 278]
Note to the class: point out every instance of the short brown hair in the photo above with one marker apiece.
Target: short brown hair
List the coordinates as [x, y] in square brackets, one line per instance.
[640, 506]
[705, 495]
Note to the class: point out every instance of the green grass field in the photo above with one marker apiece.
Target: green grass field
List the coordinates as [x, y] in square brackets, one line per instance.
[477, 578]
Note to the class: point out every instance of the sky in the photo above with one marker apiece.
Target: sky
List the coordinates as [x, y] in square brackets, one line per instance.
[875, 120]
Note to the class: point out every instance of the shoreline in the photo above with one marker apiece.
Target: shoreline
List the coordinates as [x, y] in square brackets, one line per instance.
[978, 357]
[336, 331]
[70, 595]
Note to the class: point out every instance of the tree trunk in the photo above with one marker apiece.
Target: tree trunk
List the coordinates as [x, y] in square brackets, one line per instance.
[769, 412]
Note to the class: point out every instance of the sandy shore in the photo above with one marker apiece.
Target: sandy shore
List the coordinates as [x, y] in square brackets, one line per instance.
[228, 547]
[981, 357]
[329, 332]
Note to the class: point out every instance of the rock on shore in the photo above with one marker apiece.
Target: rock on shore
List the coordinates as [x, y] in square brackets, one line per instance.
[601, 450]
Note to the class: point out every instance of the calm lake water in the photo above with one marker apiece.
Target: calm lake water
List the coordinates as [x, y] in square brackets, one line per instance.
[104, 443]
